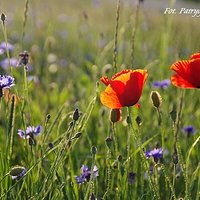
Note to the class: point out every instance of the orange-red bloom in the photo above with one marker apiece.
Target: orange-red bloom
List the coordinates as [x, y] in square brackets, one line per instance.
[187, 72]
[124, 88]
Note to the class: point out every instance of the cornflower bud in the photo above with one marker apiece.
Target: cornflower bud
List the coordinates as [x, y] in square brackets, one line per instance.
[76, 115]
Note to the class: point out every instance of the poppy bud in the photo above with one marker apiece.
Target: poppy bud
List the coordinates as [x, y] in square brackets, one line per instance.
[3, 17]
[77, 135]
[109, 142]
[115, 115]
[93, 150]
[138, 120]
[156, 99]
[51, 146]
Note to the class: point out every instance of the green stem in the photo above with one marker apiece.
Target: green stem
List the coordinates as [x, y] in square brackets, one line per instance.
[144, 160]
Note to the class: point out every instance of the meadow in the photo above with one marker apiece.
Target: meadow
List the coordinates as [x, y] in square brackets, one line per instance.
[60, 139]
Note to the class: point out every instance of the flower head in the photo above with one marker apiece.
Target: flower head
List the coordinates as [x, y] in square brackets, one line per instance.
[187, 72]
[30, 132]
[156, 153]
[189, 130]
[161, 84]
[6, 81]
[124, 88]
[4, 46]
[86, 174]
[13, 62]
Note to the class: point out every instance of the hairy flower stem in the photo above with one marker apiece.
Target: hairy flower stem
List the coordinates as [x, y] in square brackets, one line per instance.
[90, 188]
[143, 158]
[108, 175]
[115, 140]
[116, 38]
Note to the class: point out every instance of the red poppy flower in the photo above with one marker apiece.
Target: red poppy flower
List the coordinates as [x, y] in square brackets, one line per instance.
[124, 88]
[187, 72]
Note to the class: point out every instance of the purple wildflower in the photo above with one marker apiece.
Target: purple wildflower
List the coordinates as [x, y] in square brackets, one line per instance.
[86, 174]
[156, 153]
[189, 130]
[6, 81]
[3, 47]
[161, 84]
[5, 63]
[30, 132]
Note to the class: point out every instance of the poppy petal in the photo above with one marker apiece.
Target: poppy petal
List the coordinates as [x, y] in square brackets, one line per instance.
[105, 80]
[195, 56]
[178, 81]
[195, 72]
[110, 99]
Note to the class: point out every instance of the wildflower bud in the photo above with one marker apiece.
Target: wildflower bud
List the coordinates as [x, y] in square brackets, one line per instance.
[156, 99]
[51, 145]
[107, 69]
[3, 17]
[17, 172]
[71, 124]
[76, 115]
[109, 141]
[128, 119]
[24, 57]
[119, 158]
[115, 164]
[175, 156]
[138, 120]
[77, 135]
[48, 117]
[93, 150]
[115, 115]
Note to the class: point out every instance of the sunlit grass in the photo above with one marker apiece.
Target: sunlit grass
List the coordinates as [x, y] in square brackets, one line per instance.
[70, 45]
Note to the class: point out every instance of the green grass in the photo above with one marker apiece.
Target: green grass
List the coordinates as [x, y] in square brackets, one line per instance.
[70, 44]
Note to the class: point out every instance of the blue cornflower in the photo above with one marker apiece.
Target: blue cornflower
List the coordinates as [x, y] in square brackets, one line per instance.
[30, 132]
[5, 63]
[3, 47]
[156, 153]
[6, 81]
[161, 84]
[189, 130]
[86, 173]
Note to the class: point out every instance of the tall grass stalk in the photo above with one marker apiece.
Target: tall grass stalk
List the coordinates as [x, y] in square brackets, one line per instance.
[6, 39]
[24, 22]
[116, 37]
[11, 129]
[135, 27]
